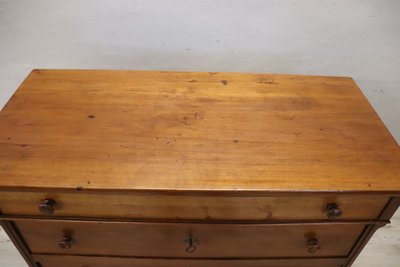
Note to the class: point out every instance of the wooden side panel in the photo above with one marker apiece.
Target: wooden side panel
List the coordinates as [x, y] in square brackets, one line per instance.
[18, 242]
[171, 240]
[79, 261]
[391, 207]
[387, 213]
[150, 206]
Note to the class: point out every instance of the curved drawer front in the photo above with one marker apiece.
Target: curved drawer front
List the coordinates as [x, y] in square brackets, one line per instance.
[190, 240]
[157, 206]
[79, 261]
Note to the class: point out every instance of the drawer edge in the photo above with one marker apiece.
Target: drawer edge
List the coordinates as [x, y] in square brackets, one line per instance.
[46, 260]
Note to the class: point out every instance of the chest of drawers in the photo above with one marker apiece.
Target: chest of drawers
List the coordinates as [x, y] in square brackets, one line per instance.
[145, 168]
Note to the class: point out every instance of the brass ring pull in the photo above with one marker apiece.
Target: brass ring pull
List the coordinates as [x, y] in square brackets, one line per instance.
[191, 244]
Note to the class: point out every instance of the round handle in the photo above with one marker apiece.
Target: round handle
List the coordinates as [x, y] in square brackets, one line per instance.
[65, 242]
[47, 206]
[191, 244]
[333, 211]
[313, 245]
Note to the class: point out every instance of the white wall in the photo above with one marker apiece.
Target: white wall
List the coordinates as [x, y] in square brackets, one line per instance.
[322, 37]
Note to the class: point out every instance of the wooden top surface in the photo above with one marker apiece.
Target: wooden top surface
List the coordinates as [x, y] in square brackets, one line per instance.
[139, 130]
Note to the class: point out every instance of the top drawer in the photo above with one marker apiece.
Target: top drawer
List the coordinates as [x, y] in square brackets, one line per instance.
[193, 207]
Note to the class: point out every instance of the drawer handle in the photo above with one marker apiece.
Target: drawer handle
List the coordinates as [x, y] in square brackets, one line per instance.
[47, 206]
[333, 211]
[191, 244]
[313, 245]
[65, 242]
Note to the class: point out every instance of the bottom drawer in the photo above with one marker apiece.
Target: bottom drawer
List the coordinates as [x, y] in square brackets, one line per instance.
[80, 261]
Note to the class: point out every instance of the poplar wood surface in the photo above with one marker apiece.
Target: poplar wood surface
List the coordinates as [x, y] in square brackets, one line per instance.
[141, 130]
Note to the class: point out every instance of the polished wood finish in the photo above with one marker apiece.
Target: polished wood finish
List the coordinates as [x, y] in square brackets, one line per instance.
[153, 168]
[206, 207]
[138, 130]
[170, 240]
[81, 261]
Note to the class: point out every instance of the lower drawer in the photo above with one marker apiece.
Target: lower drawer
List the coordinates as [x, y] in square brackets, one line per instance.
[188, 240]
[78, 261]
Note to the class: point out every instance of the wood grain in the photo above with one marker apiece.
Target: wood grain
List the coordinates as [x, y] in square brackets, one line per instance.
[199, 207]
[79, 261]
[133, 130]
[168, 239]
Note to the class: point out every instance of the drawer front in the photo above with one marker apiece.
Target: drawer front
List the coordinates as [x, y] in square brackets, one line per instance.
[79, 261]
[151, 206]
[190, 240]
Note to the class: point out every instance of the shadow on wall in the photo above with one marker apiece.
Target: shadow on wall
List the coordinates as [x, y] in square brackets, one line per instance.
[188, 60]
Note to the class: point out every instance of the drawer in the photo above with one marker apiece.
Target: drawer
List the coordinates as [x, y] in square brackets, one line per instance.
[186, 240]
[79, 261]
[201, 207]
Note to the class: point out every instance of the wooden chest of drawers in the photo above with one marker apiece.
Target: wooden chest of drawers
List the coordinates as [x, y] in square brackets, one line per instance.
[136, 168]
